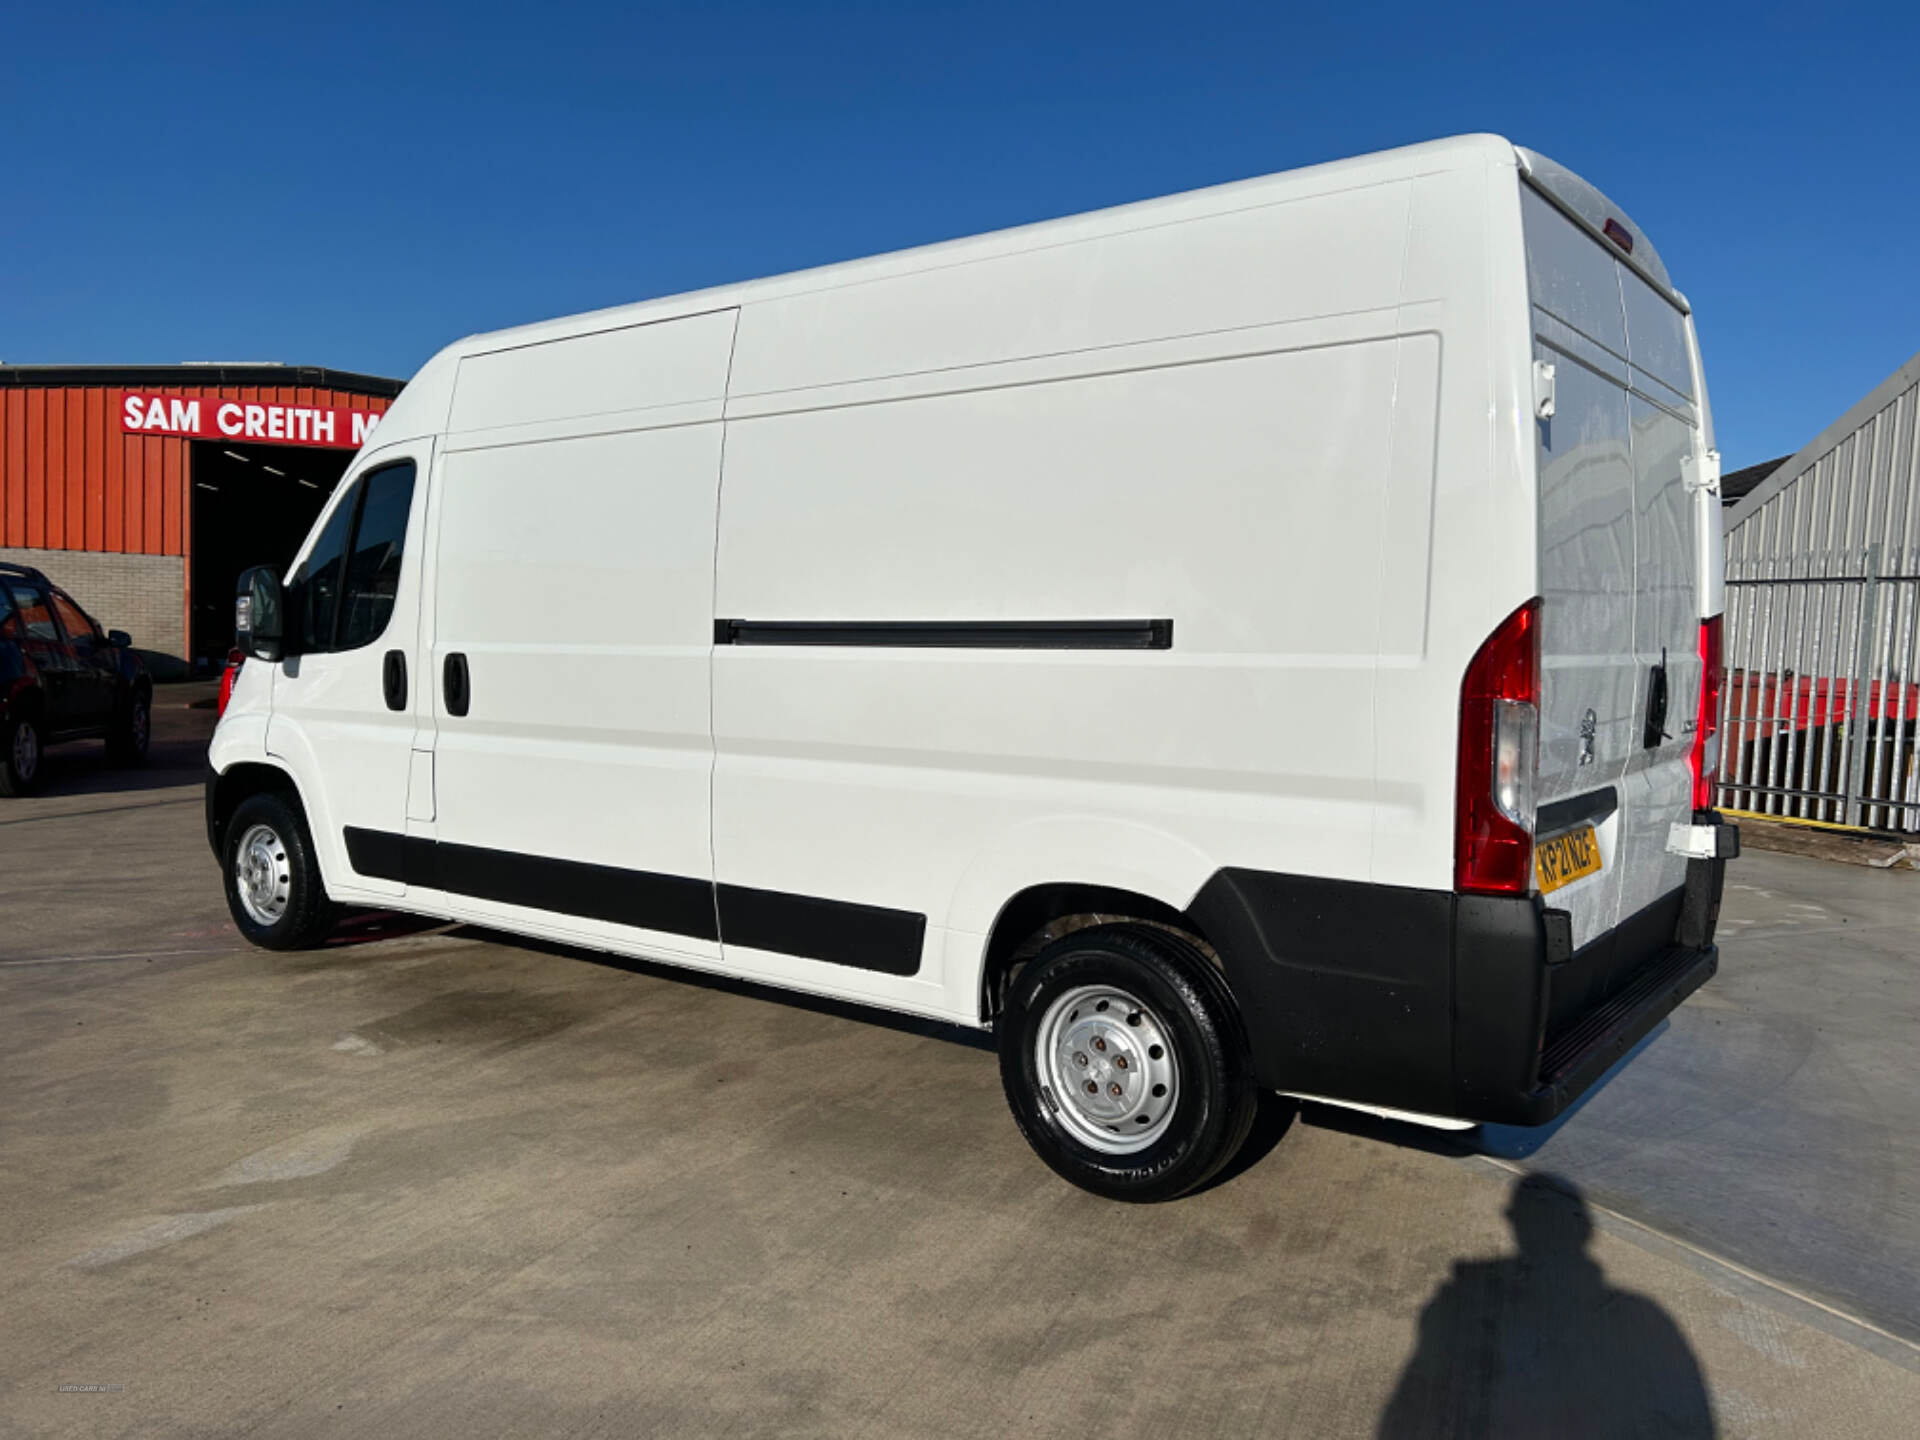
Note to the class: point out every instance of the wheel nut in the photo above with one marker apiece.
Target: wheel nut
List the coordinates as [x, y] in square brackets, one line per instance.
[1114, 1090]
[1080, 1058]
[1120, 1062]
[1093, 1087]
[1098, 1043]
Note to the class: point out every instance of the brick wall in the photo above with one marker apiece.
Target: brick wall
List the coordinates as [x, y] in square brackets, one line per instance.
[144, 595]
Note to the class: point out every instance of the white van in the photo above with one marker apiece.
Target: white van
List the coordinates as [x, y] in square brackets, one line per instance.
[1260, 638]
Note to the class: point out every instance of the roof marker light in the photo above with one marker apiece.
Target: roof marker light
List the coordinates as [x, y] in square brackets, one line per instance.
[1618, 234]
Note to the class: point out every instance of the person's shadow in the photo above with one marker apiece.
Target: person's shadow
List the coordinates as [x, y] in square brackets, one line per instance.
[1540, 1344]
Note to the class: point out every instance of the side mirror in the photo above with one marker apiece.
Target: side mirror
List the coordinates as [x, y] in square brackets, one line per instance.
[120, 638]
[257, 609]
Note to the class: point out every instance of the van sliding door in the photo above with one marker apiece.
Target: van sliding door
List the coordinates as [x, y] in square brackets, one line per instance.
[573, 637]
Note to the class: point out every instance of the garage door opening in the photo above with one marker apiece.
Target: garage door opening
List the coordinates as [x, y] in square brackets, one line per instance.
[252, 505]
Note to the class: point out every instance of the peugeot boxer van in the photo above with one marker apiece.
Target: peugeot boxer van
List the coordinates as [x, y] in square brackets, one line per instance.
[1262, 638]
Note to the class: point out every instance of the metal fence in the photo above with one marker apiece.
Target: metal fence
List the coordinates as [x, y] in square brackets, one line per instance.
[1822, 623]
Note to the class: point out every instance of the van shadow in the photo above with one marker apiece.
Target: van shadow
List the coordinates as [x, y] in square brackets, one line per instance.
[733, 985]
[1539, 1344]
[1507, 1142]
[369, 927]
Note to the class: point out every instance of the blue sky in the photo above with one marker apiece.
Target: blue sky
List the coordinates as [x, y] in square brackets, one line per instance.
[355, 186]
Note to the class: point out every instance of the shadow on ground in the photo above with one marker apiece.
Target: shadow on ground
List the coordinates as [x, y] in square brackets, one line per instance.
[1538, 1343]
[176, 756]
[81, 767]
[734, 985]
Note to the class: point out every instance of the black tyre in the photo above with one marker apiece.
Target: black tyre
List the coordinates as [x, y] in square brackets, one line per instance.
[272, 880]
[132, 730]
[1125, 1062]
[22, 753]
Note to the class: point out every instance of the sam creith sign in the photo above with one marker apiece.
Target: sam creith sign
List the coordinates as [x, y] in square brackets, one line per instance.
[208, 418]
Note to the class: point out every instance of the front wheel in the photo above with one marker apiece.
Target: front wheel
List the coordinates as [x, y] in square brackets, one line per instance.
[1125, 1063]
[273, 883]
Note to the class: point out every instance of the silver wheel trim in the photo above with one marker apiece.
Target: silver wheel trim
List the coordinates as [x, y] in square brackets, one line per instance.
[262, 876]
[1100, 1036]
[26, 750]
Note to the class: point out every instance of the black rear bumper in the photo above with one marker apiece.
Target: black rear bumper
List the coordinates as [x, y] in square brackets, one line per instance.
[1469, 1006]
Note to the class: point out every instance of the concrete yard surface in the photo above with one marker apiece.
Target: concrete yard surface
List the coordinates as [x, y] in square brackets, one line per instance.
[426, 1183]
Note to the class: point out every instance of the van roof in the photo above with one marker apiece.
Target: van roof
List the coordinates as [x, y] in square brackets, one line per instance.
[1456, 153]
[423, 407]
[1588, 205]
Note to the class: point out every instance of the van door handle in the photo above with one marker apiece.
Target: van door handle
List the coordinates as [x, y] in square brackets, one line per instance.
[1656, 726]
[454, 689]
[393, 679]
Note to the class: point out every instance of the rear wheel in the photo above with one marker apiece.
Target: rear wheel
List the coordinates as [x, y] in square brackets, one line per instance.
[21, 752]
[1125, 1064]
[132, 730]
[273, 883]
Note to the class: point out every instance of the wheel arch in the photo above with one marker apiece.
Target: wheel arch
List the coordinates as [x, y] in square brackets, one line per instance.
[228, 789]
[1041, 914]
[1057, 872]
[27, 698]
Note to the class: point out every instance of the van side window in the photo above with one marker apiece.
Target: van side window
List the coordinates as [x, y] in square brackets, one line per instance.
[317, 585]
[373, 563]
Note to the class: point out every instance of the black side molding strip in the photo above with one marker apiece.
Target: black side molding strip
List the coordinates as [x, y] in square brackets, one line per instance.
[842, 932]
[1595, 805]
[953, 634]
[866, 937]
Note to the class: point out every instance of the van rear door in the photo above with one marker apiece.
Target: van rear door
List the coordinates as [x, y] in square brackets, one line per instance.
[1665, 418]
[1620, 622]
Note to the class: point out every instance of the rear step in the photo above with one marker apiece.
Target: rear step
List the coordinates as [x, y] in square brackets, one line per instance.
[1577, 1056]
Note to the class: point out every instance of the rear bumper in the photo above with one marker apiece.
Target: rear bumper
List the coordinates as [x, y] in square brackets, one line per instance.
[1468, 1006]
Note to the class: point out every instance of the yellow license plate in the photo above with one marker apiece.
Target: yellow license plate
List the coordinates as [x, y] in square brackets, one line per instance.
[1566, 858]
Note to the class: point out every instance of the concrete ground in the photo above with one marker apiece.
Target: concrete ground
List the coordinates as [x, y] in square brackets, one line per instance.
[426, 1183]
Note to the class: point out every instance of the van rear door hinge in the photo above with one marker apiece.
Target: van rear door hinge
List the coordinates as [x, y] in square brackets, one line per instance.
[1543, 389]
[1701, 472]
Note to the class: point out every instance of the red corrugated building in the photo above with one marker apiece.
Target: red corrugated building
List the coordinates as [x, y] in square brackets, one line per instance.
[144, 490]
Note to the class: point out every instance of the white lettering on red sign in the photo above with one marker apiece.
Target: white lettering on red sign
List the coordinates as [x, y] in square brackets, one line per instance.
[239, 420]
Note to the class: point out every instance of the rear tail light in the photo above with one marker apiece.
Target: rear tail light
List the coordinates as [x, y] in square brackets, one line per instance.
[235, 657]
[1499, 756]
[1704, 758]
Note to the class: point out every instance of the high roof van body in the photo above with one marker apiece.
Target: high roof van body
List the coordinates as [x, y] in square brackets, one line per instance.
[1255, 638]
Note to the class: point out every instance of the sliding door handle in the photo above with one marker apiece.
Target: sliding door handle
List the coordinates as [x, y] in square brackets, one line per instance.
[454, 688]
[393, 679]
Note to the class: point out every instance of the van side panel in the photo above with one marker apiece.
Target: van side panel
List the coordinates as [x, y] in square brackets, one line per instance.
[1242, 499]
[1330, 254]
[1459, 551]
